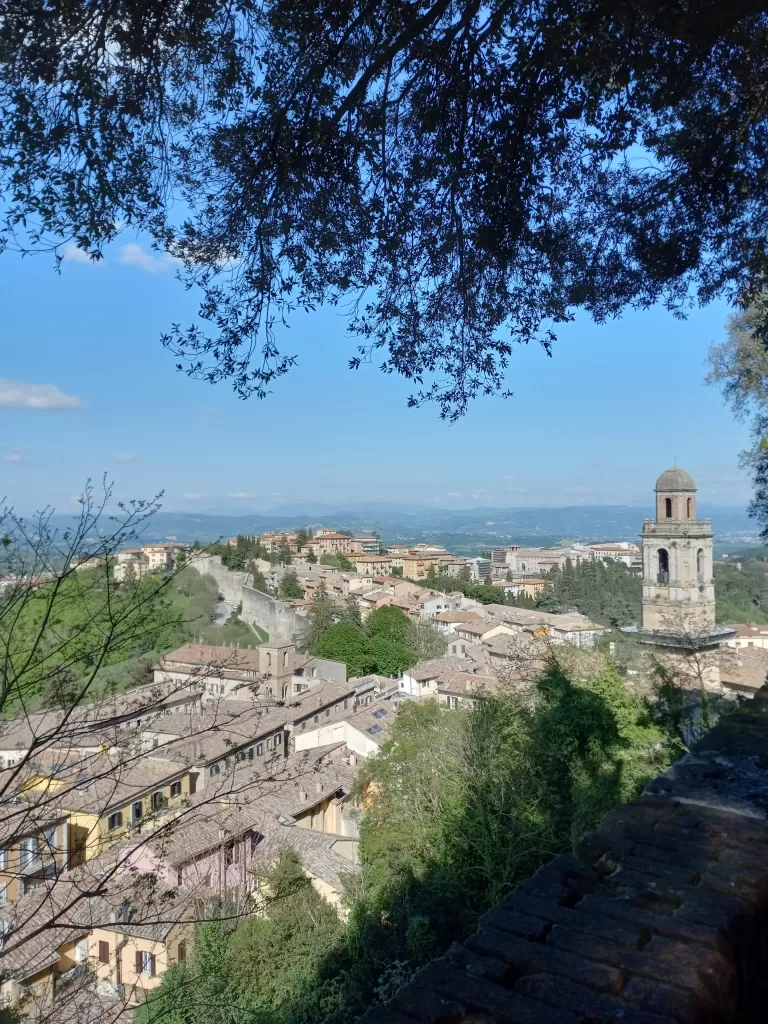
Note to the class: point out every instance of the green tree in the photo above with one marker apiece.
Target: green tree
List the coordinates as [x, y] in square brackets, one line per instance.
[396, 570]
[465, 574]
[253, 125]
[338, 562]
[426, 641]
[322, 613]
[740, 367]
[301, 538]
[389, 621]
[129, 575]
[258, 578]
[344, 642]
[351, 611]
[289, 587]
[389, 656]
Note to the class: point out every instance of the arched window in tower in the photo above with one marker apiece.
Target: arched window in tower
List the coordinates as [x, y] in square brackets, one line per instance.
[668, 508]
[700, 565]
[663, 574]
[688, 508]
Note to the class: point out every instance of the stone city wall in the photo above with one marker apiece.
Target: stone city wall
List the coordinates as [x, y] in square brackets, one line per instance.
[279, 618]
[660, 917]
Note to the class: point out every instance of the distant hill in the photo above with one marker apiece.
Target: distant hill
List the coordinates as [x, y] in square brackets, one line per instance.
[463, 531]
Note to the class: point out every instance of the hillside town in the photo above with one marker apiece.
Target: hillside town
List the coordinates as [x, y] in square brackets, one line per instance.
[134, 814]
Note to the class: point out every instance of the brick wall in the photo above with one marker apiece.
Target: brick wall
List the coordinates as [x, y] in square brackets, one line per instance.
[659, 917]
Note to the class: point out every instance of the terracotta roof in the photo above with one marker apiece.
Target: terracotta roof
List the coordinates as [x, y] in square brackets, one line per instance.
[458, 617]
[318, 852]
[208, 656]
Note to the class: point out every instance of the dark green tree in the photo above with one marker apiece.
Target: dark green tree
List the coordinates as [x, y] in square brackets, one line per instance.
[258, 578]
[344, 642]
[279, 131]
[289, 587]
[323, 612]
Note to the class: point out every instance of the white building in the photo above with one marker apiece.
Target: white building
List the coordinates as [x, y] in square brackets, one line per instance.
[621, 551]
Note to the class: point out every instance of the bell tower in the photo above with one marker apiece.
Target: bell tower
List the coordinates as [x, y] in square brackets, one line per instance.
[678, 585]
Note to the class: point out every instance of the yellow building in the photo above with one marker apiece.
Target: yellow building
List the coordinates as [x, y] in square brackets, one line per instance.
[106, 797]
[34, 846]
[120, 933]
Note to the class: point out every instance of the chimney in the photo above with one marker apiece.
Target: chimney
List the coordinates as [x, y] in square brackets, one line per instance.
[319, 787]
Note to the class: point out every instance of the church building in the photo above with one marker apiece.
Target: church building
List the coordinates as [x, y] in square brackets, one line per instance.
[678, 585]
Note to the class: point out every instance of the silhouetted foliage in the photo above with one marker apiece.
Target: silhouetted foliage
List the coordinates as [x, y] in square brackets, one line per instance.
[465, 175]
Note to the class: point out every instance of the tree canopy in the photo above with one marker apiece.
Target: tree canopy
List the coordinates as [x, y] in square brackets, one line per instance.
[386, 642]
[463, 176]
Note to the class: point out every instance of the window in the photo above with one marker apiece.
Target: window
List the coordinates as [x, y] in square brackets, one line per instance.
[317, 719]
[259, 749]
[181, 954]
[346, 702]
[303, 726]
[3, 858]
[103, 952]
[229, 854]
[668, 508]
[145, 963]
[688, 508]
[269, 742]
[3, 895]
[268, 691]
[250, 753]
[81, 950]
[214, 769]
[663, 576]
[175, 789]
[179, 879]
[27, 850]
[50, 838]
[158, 799]
[137, 811]
[240, 755]
[700, 564]
[115, 821]
[279, 739]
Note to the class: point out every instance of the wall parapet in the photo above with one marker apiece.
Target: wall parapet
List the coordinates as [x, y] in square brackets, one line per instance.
[279, 618]
[660, 917]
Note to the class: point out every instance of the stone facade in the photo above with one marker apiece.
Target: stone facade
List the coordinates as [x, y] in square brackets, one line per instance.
[678, 585]
[279, 618]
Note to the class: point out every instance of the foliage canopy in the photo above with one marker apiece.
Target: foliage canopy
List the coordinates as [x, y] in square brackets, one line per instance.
[463, 175]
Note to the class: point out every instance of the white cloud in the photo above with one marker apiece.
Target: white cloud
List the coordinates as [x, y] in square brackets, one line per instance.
[241, 495]
[13, 457]
[72, 254]
[126, 458]
[192, 496]
[14, 394]
[134, 255]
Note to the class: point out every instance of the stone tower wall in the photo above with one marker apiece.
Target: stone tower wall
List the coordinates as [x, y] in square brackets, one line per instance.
[279, 618]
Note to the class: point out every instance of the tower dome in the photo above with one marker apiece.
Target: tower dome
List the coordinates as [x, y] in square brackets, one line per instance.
[675, 479]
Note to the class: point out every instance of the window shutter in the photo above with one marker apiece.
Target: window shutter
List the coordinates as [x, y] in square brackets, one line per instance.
[152, 965]
[103, 952]
[139, 961]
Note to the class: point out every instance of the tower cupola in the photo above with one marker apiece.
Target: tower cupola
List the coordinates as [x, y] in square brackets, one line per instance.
[675, 497]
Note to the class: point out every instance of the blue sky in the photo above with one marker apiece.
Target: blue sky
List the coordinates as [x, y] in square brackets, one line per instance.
[593, 425]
